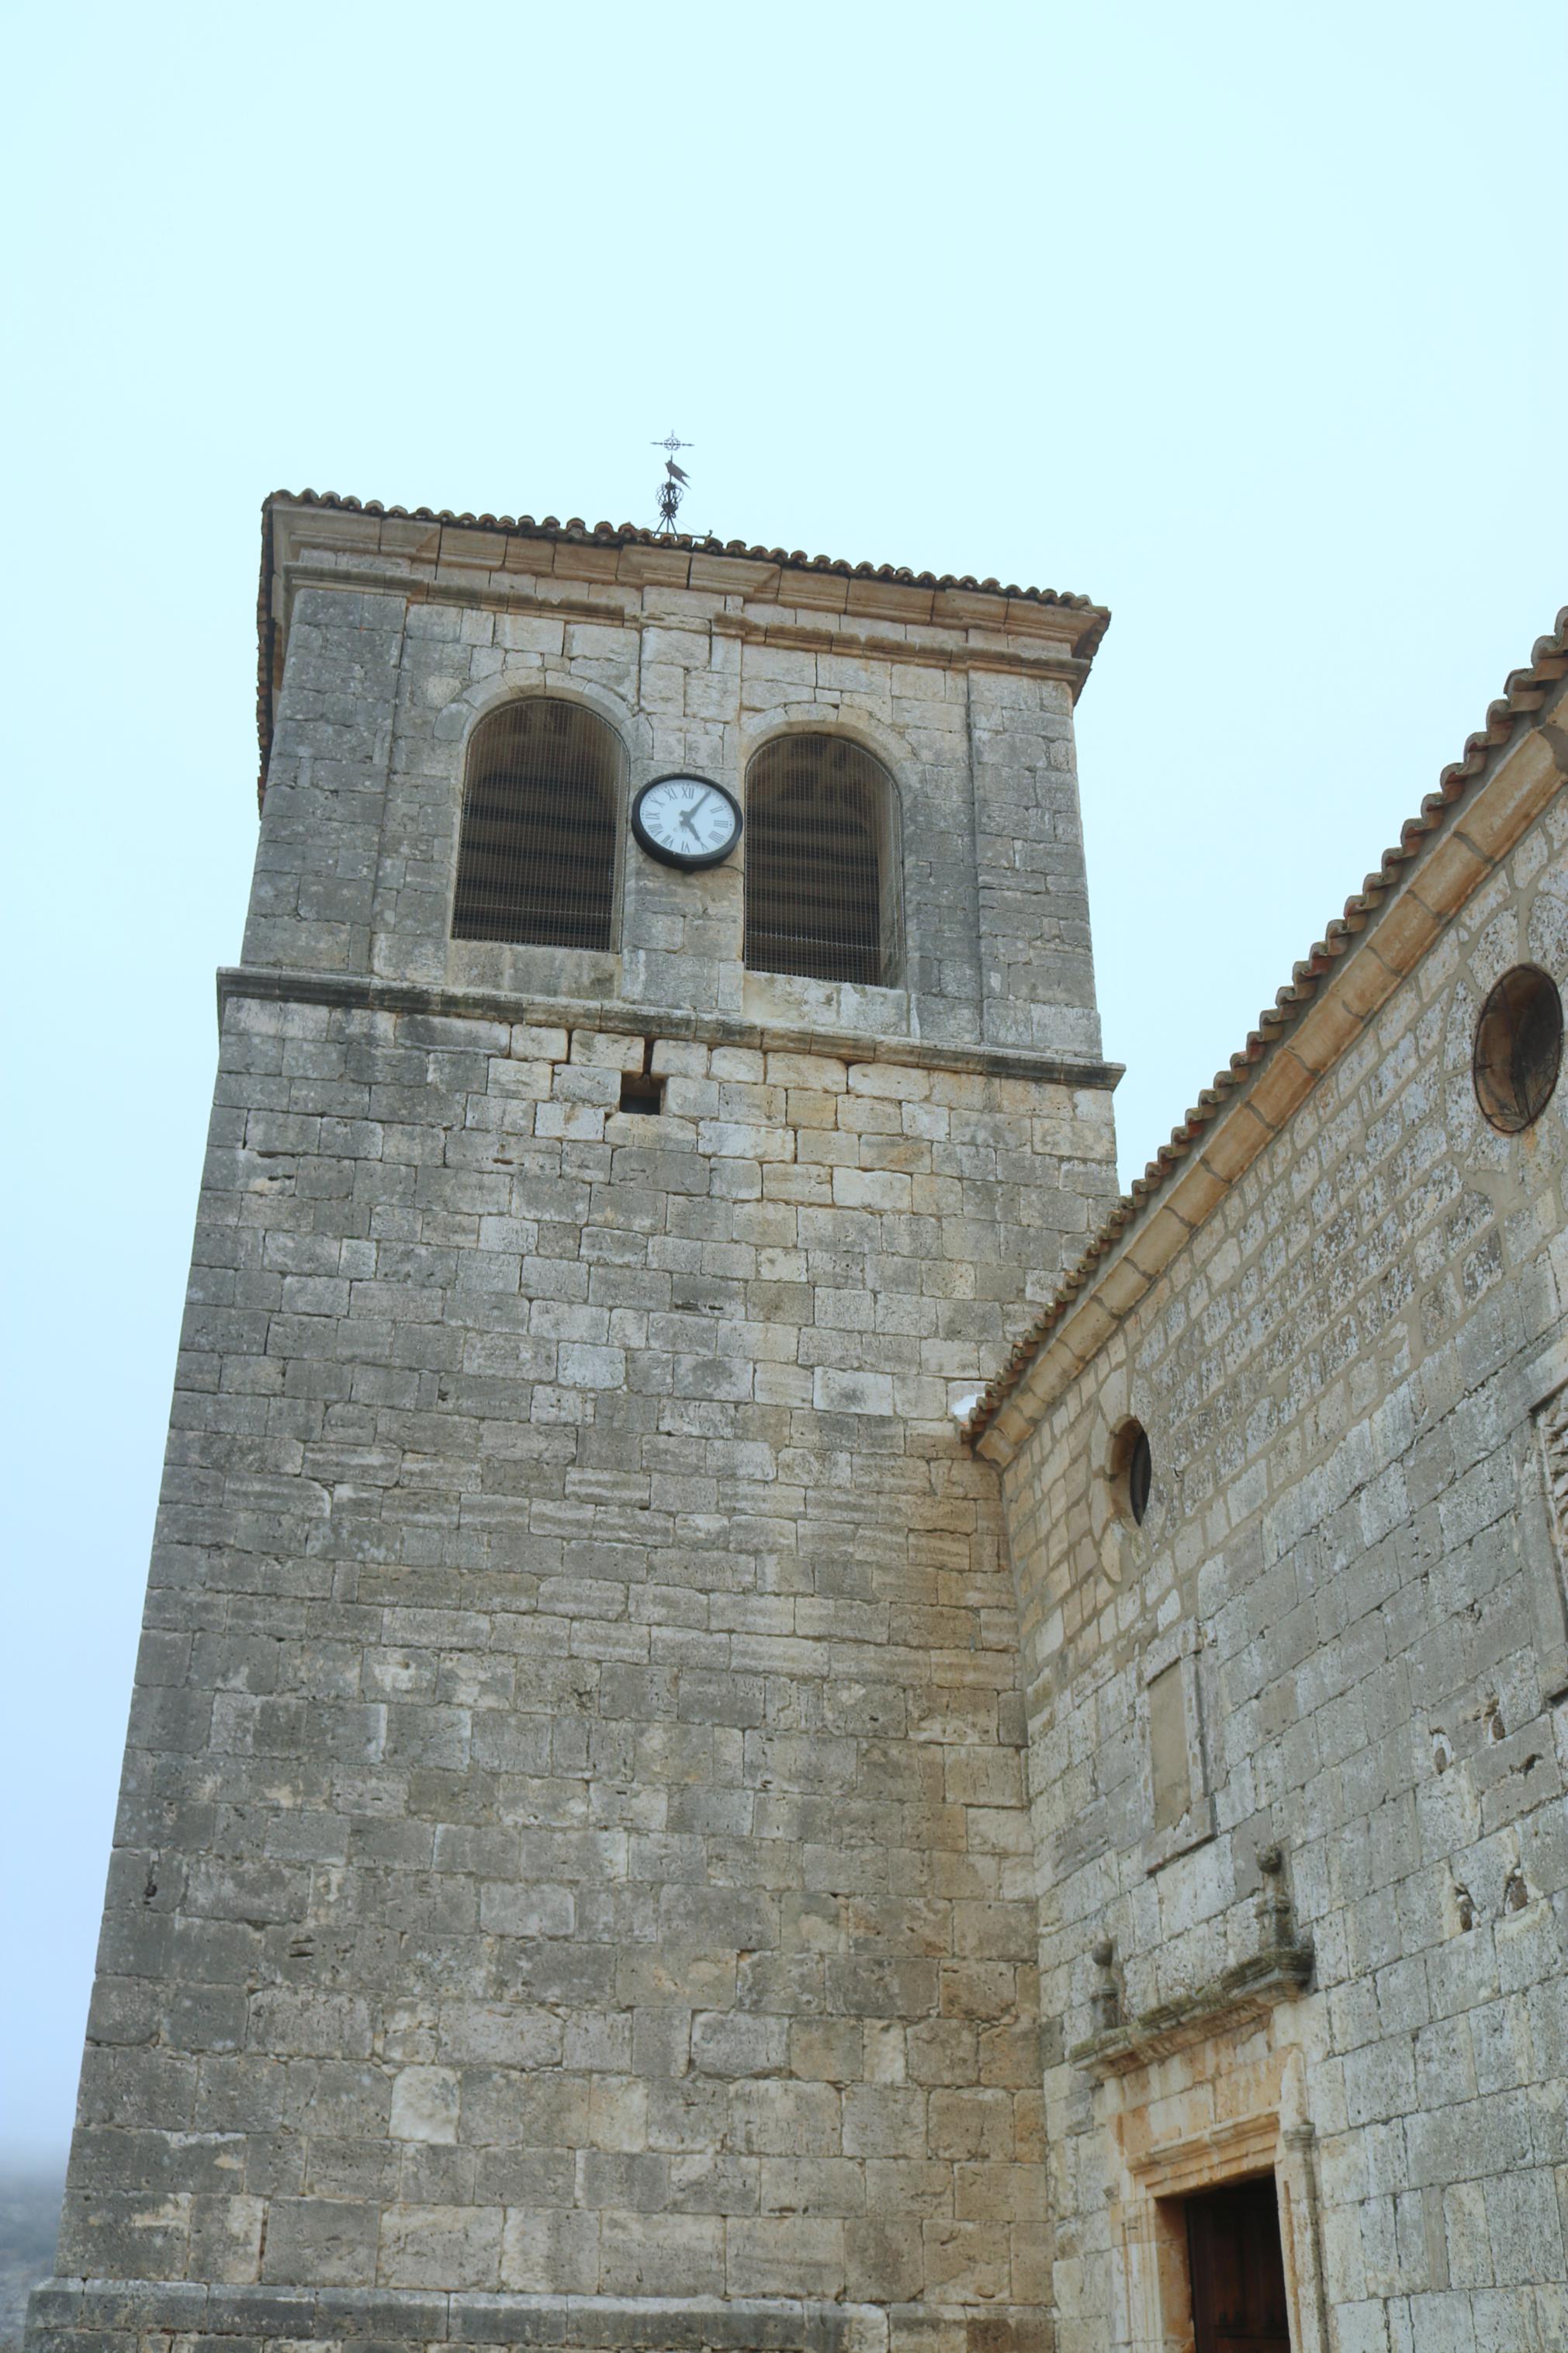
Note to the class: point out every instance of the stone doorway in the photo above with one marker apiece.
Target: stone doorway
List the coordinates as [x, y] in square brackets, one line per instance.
[1236, 2269]
[1191, 2121]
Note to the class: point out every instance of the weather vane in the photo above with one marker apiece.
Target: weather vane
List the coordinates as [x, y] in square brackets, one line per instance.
[672, 488]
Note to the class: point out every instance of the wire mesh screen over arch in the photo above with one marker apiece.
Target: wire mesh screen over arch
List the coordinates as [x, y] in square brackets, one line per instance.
[536, 854]
[821, 863]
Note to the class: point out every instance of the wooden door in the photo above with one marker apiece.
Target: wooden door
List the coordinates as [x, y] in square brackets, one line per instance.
[1238, 2275]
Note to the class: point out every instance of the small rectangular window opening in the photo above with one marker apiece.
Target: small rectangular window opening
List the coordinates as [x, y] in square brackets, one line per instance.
[641, 1091]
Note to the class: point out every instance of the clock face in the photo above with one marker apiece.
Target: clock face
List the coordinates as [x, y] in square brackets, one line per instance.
[686, 821]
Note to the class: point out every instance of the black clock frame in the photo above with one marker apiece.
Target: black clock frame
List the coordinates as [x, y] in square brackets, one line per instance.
[687, 865]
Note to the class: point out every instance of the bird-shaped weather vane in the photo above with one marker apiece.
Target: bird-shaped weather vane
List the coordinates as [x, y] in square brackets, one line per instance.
[672, 488]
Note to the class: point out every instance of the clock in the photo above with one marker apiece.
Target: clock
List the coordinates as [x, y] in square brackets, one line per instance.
[686, 821]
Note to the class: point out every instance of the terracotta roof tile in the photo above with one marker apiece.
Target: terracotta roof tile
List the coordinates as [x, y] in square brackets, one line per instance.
[1525, 692]
[627, 535]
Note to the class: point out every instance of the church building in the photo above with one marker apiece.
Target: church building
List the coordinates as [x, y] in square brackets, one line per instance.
[768, 1721]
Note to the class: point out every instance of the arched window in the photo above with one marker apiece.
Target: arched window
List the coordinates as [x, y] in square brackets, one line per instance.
[822, 869]
[536, 856]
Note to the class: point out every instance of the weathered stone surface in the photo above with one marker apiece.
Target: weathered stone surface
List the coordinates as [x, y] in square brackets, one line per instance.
[632, 1837]
[571, 1882]
[1351, 1375]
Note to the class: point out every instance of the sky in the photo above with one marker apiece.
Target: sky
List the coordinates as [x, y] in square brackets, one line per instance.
[1246, 321]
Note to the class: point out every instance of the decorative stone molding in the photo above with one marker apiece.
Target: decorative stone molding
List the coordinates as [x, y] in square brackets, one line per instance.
[283, 983]
[963, 653]
[1247, 1990]
[1153, 2230]
[1229, 2109]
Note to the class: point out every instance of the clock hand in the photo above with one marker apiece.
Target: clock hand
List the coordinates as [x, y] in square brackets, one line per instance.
[691, 829]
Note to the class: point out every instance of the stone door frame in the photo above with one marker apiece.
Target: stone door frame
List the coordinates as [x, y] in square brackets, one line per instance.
[1152, 2171]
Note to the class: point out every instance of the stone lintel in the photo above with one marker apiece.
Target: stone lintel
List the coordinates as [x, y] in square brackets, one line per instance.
[1248, 1990]
[363, 993]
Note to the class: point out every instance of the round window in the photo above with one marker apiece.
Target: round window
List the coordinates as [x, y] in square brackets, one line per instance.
[1519, 1049]
[1131, 1470]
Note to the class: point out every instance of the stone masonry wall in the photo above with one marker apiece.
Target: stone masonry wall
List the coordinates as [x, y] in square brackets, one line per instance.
[1348, 1543]
[573, 1879]
[572, 1836]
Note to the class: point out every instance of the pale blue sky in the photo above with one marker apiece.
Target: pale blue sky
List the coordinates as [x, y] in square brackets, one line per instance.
[1245, 320]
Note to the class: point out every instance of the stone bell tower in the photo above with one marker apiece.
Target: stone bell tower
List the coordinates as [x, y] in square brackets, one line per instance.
[573, 1881]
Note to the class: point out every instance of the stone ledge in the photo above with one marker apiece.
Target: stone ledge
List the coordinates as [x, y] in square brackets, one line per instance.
[362, 992]
[591, 2324]
[1248, 1990]
[67, 2314]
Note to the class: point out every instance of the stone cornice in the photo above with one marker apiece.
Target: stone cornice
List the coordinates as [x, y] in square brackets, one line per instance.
[364, 993]
[439, 544]
[484, 559]
[487, 561]
[983, 652]
[1281, 1973]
